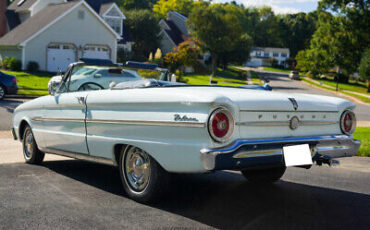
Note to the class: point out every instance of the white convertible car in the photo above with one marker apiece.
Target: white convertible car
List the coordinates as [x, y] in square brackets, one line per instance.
[149, 128]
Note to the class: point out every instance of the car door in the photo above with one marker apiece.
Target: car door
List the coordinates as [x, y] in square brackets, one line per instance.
[64, 123]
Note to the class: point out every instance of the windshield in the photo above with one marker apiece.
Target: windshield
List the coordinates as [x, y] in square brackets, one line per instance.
[83, 77]
[85, 71]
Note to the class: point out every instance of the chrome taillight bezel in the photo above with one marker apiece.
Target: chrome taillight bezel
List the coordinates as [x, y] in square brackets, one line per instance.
[354, 121]
[231, 125]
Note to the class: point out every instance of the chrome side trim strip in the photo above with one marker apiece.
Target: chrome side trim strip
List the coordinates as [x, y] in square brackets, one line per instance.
[126, 122]
[57, 119]
[278, 123]
[150, 123]
[79, 156]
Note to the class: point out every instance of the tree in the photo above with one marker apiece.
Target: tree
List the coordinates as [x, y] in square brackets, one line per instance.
[296, 30]
[219, 27]
[364, 68]
[343, 32]
[262, 25]
[144, 30]
[239, 53]
[162, 7]
[184, 55]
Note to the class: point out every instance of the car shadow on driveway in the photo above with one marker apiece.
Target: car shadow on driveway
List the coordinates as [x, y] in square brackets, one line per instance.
[225, 200]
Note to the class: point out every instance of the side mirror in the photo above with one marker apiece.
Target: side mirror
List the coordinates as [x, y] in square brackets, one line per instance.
[53, 87]
[98, 75]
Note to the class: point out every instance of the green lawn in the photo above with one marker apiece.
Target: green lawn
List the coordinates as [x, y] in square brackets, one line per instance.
[31, 84]
[276, 70]
[363, 134]
[353, 88]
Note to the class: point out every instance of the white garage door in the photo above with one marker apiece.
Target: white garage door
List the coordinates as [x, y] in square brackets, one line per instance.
[96, 52]
[60, 56]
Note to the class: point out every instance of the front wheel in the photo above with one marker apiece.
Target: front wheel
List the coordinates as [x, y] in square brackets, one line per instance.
[268, 175]
[2, 92]
[144, 180]
[31, 153]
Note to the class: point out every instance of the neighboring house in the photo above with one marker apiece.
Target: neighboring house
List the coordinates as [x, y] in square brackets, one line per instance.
[173, 31]
[55, 33]
[260, 55]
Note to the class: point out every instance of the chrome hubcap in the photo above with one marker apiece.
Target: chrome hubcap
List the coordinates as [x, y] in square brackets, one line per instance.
[137, 169]
[28, 144]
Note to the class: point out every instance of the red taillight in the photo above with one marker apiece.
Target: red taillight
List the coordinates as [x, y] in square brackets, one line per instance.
[348, 122]
[15, 80]
[221, 125]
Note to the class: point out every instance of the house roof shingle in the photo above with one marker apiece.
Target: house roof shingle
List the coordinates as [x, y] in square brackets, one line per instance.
[174, 32]
[35, 23]
[25, 5]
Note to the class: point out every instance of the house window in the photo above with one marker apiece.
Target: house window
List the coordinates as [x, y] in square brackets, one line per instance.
[283, 54]
[267, 54]
[115, 23]
[258, 53]
[89, 48]
[54, 46]
[68, 47]
[276, 54]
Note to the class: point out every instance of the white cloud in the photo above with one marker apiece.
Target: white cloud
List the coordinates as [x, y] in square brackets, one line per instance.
[284, 10]
[276, 5]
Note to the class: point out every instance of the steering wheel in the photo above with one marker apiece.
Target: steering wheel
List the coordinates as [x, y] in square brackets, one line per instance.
[90, 86]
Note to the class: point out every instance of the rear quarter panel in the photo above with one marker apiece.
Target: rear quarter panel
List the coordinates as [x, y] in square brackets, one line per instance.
[175, 146]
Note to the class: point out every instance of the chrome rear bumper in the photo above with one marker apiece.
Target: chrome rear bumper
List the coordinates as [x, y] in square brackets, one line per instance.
[269, 152]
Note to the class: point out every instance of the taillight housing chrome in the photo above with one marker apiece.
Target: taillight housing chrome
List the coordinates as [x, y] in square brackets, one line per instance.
[221, 125]
[348, 122]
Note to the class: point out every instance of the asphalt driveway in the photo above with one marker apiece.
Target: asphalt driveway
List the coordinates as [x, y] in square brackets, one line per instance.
[80, 195]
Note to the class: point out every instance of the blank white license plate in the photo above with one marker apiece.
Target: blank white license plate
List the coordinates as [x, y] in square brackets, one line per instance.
[297, 155]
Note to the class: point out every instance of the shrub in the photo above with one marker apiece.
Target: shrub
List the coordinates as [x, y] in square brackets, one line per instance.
[14, 64]
[272, 61]
[33, 67]
[5, 63]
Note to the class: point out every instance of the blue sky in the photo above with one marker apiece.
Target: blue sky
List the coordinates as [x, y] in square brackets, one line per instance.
[281, 6]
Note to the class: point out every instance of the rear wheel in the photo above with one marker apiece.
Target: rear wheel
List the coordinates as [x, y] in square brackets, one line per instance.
[31, 153]
[268, 175]
[2, 92]
[144, 180]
